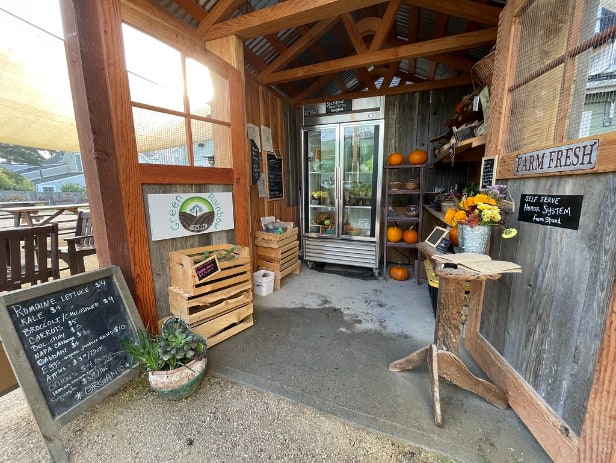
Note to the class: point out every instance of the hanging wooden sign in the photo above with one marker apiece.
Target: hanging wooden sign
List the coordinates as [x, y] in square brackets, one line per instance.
[576, 156]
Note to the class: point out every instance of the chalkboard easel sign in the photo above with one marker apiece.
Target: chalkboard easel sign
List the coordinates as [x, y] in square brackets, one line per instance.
[488, 172]
[64, 342]
[275, 176]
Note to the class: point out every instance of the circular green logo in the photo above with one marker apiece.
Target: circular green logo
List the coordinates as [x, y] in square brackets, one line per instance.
[196, 214]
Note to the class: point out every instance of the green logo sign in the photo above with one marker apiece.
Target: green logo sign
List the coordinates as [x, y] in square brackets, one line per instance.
[196, 214]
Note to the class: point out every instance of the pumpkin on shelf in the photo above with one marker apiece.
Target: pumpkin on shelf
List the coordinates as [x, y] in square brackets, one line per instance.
[453, 236]
[410, 236]
[394, 233]
[418, 157]
[395, 159]
[398, 272]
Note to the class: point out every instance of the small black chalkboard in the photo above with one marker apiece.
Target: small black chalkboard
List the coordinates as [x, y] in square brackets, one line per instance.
[436, 236]
[339, 106]
[488, 172]
[255, 161]
[64, 341]
[275, 180]
[552, 210]
[206, 268]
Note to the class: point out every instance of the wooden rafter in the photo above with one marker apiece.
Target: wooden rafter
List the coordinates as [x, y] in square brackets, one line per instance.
[465, 9]
[385, 26]
[221, 11]
[415, 50]
[285, 15]
[192, 8]
[413, 31]
[299, 46]
[399, 90]
[439, 31]
[353, 32]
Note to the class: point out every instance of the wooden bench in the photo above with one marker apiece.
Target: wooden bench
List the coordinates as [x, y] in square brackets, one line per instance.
[80, 245]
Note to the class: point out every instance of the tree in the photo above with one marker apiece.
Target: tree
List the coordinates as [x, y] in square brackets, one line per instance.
[15, 154]
[10, 180]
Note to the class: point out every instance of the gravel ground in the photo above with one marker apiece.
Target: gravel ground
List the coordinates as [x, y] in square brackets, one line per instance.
[222, 422]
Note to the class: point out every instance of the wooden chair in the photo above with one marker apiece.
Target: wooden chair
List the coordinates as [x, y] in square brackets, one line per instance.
[28, 255]
[79, 246]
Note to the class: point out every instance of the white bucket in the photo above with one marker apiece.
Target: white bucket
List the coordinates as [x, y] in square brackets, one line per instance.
[264, 282]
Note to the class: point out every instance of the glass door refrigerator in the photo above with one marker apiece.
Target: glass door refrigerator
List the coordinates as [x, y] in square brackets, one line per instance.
[341, 188]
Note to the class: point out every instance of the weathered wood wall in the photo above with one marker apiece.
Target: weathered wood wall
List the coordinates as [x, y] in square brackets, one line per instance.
[547, 321]
[264, 108]
[411, 120]
[159, 250]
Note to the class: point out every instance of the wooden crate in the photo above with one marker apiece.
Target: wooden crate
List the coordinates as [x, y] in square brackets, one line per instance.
[282, 261]
[226, 325]
[196, 309]
[234, 273]
[272, 240]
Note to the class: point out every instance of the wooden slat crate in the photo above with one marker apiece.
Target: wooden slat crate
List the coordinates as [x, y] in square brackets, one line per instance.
[226, 325]
[282, 261]
[234, 273]
[196, 309]
[272, 240]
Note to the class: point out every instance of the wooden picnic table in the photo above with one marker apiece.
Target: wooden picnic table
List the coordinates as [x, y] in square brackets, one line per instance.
[27, 214]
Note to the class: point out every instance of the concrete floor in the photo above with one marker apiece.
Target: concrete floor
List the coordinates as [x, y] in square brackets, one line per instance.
[326, 341]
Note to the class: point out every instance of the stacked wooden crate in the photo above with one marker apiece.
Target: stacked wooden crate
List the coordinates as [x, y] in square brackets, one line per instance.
[278, 253]
[220, 305]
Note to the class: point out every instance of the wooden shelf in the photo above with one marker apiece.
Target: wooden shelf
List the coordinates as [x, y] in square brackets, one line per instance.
[468, 150]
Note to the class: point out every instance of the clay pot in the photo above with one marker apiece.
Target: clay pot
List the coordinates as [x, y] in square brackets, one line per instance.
[180, 382]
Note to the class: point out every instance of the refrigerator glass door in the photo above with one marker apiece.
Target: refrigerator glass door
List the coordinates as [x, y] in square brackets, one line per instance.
[321, 155]
[359, 175]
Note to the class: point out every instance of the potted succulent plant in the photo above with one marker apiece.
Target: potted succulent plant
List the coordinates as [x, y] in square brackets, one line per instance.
[175, 360]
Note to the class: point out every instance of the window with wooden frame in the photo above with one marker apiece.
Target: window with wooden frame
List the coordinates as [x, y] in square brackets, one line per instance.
[563, 85]
[180, 107]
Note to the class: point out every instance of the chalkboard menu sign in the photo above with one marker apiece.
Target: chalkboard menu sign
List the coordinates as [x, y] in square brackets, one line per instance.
[553, 210]
[488, 172]
[338, 106]
[275, 181]
[255, 161]
[63, 339]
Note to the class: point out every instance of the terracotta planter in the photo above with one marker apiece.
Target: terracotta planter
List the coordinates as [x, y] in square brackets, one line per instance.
[178, 383]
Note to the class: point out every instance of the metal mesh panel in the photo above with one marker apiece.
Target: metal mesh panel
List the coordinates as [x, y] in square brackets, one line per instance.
[211, 144]
[564, 84]
[161, 138]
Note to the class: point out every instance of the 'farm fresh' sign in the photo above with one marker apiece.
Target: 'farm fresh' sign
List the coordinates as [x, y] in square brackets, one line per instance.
[577, 156]
[186, 214]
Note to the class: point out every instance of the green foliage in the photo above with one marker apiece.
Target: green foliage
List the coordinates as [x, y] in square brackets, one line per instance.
[15, 154]
[72, 187]
[176, 346]
[10, 180]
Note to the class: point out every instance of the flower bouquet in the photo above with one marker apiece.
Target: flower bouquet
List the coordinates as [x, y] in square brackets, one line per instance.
[488, 207]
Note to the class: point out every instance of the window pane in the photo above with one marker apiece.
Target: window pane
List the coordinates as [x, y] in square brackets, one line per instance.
[207, 91]
[161, 138]
[157, 82]
[216, 140]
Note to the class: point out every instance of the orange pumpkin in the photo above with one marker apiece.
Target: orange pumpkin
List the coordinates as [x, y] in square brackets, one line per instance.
[395, 159]
[410, 236]
[453, 236]
[394, 234]
[418, 157]
[397, 272]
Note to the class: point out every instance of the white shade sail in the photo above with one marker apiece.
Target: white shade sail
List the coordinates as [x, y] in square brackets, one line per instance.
[36, 107]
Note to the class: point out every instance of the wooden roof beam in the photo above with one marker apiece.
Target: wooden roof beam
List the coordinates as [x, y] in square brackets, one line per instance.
[353, 32]
[386, 22]
[415, 50]
[466, 9]
[285, 15]
[299, 46]
[192, 8]
[399, 90]
[221, 11]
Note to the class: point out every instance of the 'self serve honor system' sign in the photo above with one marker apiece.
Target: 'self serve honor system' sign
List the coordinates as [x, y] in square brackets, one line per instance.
[64, 342]
[556, 211]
